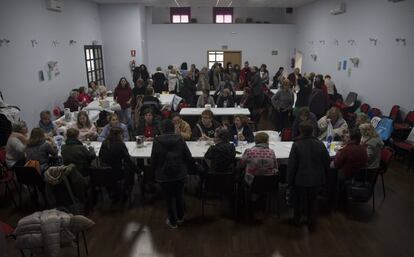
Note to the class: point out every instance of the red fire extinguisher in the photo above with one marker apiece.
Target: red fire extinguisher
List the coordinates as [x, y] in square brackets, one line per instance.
[132, 65]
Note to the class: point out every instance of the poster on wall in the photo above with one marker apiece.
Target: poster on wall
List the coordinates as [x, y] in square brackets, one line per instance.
[344, 65]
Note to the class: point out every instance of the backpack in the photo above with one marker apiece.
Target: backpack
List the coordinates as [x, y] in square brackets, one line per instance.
[385, 128]
[34, 164]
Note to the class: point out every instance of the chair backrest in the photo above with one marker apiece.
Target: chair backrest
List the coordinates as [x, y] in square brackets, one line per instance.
[361, 187]
[410, 118]
[6, 228]
[386, 156]
[394, 113]
[286, 134]
[103, 177]
[265, 184]
[219, 182]
[365, 108]
[351, 98]
[28, 176]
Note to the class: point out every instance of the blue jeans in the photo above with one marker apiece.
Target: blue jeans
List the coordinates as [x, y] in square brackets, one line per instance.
[125, 116]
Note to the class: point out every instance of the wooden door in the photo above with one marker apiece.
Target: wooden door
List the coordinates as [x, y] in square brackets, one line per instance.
[232, 56]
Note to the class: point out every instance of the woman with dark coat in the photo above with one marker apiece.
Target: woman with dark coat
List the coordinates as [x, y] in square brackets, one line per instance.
[188, 92]
[241, 129]
[305, 89]
[307, 168]
[114, 153]
[170, 157]
[318, 100]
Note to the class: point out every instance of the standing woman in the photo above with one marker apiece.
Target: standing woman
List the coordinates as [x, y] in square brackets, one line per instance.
[203, 80]
[123, 96]
[282, 101]
[144, 74]
[172, 80]
[170, 157]
[318, 100]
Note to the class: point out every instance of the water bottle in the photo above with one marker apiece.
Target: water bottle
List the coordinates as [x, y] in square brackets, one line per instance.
[236, 140]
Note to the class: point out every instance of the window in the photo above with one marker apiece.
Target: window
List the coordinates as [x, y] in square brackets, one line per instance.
[223, 15]
[215, 56]
[180, 14]
[94, 64]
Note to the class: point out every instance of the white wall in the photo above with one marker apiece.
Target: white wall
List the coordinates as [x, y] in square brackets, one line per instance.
[176, 43]
[204, 15]
[24, 20]
[384, 75]
[123, 29]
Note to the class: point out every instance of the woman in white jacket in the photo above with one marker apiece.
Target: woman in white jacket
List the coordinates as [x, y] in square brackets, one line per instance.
[172, 80]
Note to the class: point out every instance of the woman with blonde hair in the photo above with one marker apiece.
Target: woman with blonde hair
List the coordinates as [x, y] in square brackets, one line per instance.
[40, 148]
[339, 125]
[374, 144]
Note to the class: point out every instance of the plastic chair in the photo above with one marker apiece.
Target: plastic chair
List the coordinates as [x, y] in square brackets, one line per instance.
[218, 183]
[395, 114]
[387, 153]
[264, 185]
[286, 134]
[31, 178]
[361, 188]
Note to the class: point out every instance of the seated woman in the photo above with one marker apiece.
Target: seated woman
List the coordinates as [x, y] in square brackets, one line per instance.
[46, 123]
[40, 148]
[93, 89]
[84, 98]
[246, 101]
[303, 115]
[260, 159]
[225, 99]
[334, 117]
[241, 129]
[204, 99]
[102, 92]
[374, 144]
[16, 145]
[75, 152]
[114, 153]
[352, 157]
[360, 119]
[220, 157]
[181, 126]
[148, 127]
[205, 129]
[72, 102]
[150, 101]
[87, 131]
[113, 123]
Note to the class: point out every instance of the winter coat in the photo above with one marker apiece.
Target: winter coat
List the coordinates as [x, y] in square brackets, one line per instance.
[46, 232]
[170, 158]
[308, 163]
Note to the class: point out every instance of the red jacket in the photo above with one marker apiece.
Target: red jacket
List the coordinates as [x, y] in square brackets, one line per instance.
[84, 98]
[122, 95]
[351, 158]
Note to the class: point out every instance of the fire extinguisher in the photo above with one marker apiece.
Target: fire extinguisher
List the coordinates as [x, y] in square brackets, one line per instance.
[132, 65]
[292, 63]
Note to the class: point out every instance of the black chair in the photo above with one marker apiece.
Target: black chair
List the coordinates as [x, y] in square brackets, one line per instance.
[361, 188]
[31, 178]
[387, 153]
[218, 183]
[105, 178]
[267, 185]
[65, 199]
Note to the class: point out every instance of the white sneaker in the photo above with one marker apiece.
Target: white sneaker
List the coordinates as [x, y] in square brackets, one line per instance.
[167, 221]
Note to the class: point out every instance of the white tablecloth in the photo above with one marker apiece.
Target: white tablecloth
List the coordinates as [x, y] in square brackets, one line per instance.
[199, 148]
[238, 92]
[64, 125]
[96, 105]
[216, 111]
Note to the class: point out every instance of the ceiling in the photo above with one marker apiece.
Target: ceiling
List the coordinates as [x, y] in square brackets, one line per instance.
[210, 3]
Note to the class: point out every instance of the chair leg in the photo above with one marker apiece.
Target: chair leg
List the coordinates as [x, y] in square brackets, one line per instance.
[85, 244]
[383, 185]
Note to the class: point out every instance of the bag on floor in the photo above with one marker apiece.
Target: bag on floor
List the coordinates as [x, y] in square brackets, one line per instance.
[385, 128]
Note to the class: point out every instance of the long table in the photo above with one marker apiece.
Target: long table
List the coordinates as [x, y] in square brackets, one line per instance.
[238, 92]
[199, 148]
[231, 111]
